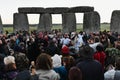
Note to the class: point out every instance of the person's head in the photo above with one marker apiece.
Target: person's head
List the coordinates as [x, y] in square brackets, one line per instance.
[66, 35]
[99, 47]
[22, 62]
[57, 62]
[117, 44]
[75, 74]
[9, 62]
[97, 39]
[44, 62]
[65, 50]
[68, 62]
[86, 51]
[90, 40]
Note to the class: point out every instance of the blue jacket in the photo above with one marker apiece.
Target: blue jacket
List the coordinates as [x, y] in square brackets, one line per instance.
[62, 72]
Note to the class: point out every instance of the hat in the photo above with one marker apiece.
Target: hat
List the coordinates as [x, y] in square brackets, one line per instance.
[86, 51]
[9, 60]
[56, 60]
[65, 50]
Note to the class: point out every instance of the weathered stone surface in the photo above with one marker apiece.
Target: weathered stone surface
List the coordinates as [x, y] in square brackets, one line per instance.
[45, 22]
[20, 22]
[57, 10]
[91, 22]
[31, 10]
[115, 21]
[68, 22]
[1, 26]
[81, 9]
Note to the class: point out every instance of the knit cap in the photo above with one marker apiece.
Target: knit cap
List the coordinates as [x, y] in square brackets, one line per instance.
[65, 50]
[9, 60]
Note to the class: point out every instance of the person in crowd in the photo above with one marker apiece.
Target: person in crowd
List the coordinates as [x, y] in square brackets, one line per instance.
[2, 67]
[10, 68]
[94, 42]
[111, 37]
[68, 62]
[91, 69]
[3, 47]
[30, 49]
[100, 55]
[67, 59]
[65, 51]
[65, 40]
[52, 49]
[75, 73]
[80, 36]
[113, 73]
[44, 68]
[78, 42]
[104, 40]
[32, 69]
[58, 67]
[112, 53]
[22, 63]
[118, 37]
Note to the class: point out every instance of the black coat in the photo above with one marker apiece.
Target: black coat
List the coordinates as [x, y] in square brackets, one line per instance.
[23, 75]
[91, 70]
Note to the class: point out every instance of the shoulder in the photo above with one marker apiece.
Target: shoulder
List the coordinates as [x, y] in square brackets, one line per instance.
[50, 74]
[92, 63]
[55, 75]
[23, 75]
[109, 74]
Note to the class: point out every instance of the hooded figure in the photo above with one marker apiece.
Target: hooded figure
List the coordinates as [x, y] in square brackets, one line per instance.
[61, 70]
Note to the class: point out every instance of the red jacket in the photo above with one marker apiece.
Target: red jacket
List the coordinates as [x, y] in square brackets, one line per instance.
[100, 56]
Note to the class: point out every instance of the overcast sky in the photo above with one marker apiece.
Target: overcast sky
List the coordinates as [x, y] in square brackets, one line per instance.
[103, 7]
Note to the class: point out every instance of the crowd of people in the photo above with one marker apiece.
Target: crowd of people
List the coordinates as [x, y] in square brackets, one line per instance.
[60, 56]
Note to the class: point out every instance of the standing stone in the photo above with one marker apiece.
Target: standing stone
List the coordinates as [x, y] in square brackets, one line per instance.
[20, 22]
[68, 22]
[115, 21]
[1, 26]
[91, 22]
[45, 22]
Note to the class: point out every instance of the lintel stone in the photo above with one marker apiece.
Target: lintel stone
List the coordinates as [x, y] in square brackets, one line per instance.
[81, 9]
[57, 10]
[31, 10]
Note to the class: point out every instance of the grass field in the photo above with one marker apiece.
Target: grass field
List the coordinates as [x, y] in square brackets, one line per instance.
[104, 26]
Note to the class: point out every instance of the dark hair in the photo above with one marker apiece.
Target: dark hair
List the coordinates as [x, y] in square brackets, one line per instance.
[44, 62]
[75, 74]
[86, 51]
[99, 47]
[97, 39]
[68, 62]
[22, 62]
